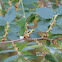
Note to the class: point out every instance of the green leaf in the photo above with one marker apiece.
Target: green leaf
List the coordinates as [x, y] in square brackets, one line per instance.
[42, 26]
[45, 12]
[30, 6]
[53, 50]
[2, 21]
[27, 48]
[21, 23]
[11, 46]
[52, 1]
[35, 35]
[6, 51]
[5, 1]
[14, 27]
[11, 58]
[13, 35]
[6, 6]
[59, 10]
[32, 47]
[14, 58]
[54, 6]
[50, 58]
[29, 56]
[29, 1]
[48, 43]
[56, 30]
[37, 46]
[30, 12]
[11, 14]
[59, 22]
[59, 57]
[1, 30]
[31, 43]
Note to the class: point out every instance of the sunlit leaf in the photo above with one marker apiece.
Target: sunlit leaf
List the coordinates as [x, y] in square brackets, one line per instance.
[32, 47]
[21, 22]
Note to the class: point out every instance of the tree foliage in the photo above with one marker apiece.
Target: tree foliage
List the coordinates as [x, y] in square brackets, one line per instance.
[29, 29]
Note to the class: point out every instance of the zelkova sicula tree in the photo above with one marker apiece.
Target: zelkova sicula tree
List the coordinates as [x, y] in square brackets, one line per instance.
[31, 30]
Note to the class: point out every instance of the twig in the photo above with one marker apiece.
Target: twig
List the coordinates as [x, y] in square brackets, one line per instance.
[30, 39]
[23, 8]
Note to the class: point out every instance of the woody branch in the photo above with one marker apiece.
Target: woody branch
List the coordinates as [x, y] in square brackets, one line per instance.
[28, 39]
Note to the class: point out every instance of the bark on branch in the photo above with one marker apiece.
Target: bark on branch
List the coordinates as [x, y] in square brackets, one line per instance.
[30, 40]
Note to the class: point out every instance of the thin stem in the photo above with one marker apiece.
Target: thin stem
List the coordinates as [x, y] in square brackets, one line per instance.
[28, 39]
[16, 48]
[51, 24]
[23, 8]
